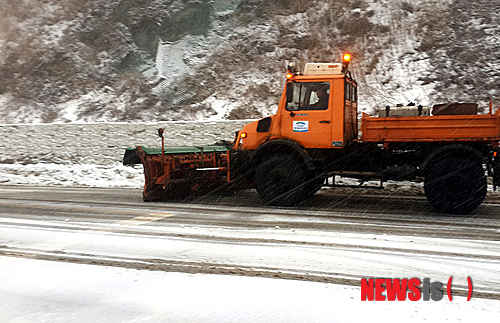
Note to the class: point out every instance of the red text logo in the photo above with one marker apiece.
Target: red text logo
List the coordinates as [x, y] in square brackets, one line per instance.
[413, 289]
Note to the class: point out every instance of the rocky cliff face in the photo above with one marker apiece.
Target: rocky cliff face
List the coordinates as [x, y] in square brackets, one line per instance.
[151, 60]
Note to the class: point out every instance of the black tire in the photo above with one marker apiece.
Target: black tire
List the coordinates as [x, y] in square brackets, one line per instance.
[280, 181]
[455, 185]
[314, 185]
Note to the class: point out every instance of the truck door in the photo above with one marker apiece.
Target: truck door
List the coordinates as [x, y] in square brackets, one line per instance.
[307, 115]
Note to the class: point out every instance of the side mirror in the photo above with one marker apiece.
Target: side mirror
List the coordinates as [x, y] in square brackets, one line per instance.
[160, 132]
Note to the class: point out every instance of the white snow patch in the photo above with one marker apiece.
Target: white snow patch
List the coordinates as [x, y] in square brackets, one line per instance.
[47, 291]
[5, 98]
[72, 175]
[52, 34]
[221, 107]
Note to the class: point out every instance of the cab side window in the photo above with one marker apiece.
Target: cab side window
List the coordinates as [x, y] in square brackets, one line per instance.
[350, 92]
[307, 96]
[347, 91]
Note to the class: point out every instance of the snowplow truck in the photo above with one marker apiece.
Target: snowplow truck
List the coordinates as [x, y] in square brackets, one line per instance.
[313, 136]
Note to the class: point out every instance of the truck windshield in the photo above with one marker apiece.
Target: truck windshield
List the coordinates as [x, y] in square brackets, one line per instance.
[307, 96]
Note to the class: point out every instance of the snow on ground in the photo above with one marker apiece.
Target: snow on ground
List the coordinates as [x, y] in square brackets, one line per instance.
[396, 76]
[45, 291]
[221, 107]
[52, 34]
[92, 293]
[72, 175]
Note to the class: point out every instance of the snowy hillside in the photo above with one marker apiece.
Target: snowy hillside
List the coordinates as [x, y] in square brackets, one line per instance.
[152, 60]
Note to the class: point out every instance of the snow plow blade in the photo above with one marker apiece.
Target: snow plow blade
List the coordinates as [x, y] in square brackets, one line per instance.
[180, 171]
[131, 157]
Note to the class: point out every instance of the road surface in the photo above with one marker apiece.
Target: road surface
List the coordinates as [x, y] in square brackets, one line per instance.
[237, 235]
[335, 238]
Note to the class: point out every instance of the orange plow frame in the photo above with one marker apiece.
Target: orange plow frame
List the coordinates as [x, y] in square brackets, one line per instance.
[183, 174]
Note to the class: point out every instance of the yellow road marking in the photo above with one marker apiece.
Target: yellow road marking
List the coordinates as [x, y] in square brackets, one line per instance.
[143, 219]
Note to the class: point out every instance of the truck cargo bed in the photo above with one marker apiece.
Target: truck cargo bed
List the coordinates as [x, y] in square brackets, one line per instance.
[431, 128]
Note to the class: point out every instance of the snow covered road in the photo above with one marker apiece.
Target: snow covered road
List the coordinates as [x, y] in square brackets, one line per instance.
[88, 254]
[47, 291]
[112, 228]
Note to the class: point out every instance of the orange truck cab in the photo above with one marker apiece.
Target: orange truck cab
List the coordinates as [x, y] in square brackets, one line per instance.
[317, 110]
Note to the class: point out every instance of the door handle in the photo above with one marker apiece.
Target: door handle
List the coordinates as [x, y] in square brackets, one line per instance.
[324, 121]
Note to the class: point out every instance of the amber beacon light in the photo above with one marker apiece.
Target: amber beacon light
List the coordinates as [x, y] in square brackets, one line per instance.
[346, 58]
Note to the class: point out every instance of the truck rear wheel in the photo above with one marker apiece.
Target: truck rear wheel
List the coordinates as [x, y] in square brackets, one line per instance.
[279, 181]
[456, 185]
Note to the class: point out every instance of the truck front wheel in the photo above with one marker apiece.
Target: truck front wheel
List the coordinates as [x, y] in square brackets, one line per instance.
[280, 181]
[455, 185]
